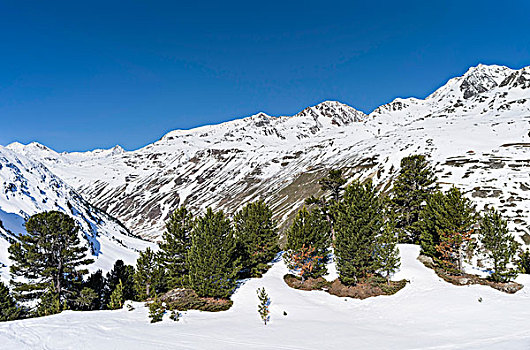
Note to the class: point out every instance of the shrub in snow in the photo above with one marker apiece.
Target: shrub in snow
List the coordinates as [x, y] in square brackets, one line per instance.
[263, 306]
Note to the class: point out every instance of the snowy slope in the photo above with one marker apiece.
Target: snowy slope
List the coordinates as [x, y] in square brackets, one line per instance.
[474, 128]
[427, 314]
[27, 187]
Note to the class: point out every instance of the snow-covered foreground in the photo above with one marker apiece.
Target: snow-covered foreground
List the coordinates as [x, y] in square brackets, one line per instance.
[427, 314]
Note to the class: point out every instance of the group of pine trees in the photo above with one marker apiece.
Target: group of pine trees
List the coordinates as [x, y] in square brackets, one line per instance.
[354, 221]
[207, 253]
[210, 252]
[447, 224]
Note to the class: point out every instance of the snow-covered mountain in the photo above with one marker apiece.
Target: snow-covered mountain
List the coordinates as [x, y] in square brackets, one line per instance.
[475, 129]
[27, 187]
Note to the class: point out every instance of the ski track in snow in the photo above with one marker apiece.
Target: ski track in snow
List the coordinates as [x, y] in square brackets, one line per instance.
[427, 314]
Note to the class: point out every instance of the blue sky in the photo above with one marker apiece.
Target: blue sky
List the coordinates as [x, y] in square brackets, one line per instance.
[83, 75]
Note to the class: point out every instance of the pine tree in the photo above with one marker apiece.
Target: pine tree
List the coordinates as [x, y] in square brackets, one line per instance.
[116, 298]
[86, 300]
[412, 187]
[334, 183]
[47, 259]
[156, 310]
[309, 229]
[387, 254]
[9, 309]
[524, 261]
[149, 275]
[451, 249]
[256, 236]
[444, 212]
[124, 273]
[500, 246]
[304, 261]
[49, 303]
[175, 246]
[358, 222]
[96, 282]
[263, 306]
[211, 258]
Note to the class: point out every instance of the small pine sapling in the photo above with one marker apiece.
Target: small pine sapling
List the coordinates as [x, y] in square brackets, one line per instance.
[175, 316]
[263, 306]
[156, 310]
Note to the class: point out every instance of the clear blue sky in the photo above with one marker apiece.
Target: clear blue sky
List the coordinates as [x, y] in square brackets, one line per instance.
[78, 75]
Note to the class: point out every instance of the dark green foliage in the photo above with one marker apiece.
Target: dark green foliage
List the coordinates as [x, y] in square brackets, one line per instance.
[86, 300]
[310, 229]
[116, 298]
[175, 316]
[211, 262]
[175, 246]
[263, 306]
[96, 282]
[156, 311]
[524, 261]
[9, 309]
[49, 304]
[333, 183]
[48, 257]
[412, 187]
[387, 253]
[123, 273]
[499, 245]
[444, 212]
[256, 237]
[358, 222]
[149, 275]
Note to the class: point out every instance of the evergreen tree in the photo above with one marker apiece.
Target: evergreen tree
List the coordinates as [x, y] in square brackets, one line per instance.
[87, 300]
[334, 183]
[444, 212]
[149, 276]
[263, 306]
[116, 298]
[49, 303]
[124, 273]
[8, 307]
[412, 187]
[211, 262]
[451, 249]
[309, 230]
[47, 259]
[156, 310]
[524, 261]
[387, 253]
[175, 246]
[96, 282]
[256, 236]
[358, 223]
[500, 246]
